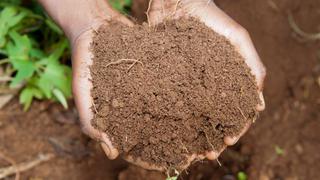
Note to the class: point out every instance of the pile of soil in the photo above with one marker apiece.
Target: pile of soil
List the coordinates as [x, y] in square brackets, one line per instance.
[167, 92]
[290, 121]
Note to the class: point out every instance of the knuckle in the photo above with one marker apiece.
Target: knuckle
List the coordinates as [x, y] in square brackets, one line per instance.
[244, 33]
[263, 71]
[84, 129]
[241, 31]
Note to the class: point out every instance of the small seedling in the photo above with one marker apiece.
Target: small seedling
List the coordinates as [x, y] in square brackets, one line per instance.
[279, 150]
[242, 176]
[172, 178]
[32, 47]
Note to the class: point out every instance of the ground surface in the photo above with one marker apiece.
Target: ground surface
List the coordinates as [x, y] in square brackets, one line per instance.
[291, 120]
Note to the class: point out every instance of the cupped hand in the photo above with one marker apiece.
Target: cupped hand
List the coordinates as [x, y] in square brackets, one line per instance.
[81, 83]
[207, 12]
[159, 10]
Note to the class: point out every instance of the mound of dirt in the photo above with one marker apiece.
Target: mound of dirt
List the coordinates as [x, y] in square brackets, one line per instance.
[163, 93]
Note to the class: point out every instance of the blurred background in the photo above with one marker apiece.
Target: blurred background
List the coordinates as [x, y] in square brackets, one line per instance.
[39, 130]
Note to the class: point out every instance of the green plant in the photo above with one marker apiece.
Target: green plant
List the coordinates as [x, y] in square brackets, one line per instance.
[172, 178]
[32, 50]
[122, 6]
[34, 53]
[279, 151]
[242, 176]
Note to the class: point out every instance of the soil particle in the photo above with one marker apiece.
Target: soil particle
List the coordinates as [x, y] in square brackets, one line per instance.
[166, 92]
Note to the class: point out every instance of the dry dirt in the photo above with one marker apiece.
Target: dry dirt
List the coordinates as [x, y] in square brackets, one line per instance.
[179, 93]
[290, 122]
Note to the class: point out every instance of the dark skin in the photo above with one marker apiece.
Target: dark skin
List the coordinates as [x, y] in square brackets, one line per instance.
[80, 18]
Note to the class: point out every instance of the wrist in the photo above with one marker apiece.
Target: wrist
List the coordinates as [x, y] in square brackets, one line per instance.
[77, 16]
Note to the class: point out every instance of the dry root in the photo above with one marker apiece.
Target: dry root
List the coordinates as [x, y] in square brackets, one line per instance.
[13, 164]
[300, 32]
[147, 13]
[18, 168]
[134, 61]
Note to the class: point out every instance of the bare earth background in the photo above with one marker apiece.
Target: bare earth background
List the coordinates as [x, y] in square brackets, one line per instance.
[291, 121]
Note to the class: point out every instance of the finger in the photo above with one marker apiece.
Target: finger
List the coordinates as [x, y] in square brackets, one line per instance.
[108, 13]
[216, 19]
[82, 59]
[106, 144]
[81, 85]
[229, 141]
[212, 155]
[158, 11]
[137, 161]
[262, 105]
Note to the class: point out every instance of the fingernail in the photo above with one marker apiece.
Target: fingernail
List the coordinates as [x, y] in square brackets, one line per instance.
[105, 148]
[261, 106]
[212, 155]
[230, 140]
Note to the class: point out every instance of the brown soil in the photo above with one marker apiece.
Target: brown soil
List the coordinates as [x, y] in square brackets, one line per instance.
[186, 88]
[290, 121]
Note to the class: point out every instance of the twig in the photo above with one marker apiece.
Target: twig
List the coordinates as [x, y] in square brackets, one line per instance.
[94, 30]
[5, 79]
[300, 32]
[13, 163]
[184, 146]
[273, 5]
[123, 60]
[147, 13]
[162, 9]
[176, 7]
[7, 171]
[205, 134]
[219, 162]
[95, 108]
[245, 118]
[131, 66]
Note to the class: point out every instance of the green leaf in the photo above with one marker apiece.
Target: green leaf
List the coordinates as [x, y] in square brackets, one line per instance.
[59, 95]
[45, 85]
[15, 2]
[55, 76]
[19, 48]
[16, 19]
[59, 49]
[25, 70]
[9, 18]
[55, 28]
[279, 150]
[36, 53]
[172, 178]
[121, 5]
[18, 53]
[27, 95]
[25, 98]
[242, 176]
[37, 93]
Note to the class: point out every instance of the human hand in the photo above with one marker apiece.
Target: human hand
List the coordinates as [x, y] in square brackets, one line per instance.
[80, 30]
[81, 84]
[79, 19]
[207, 12]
